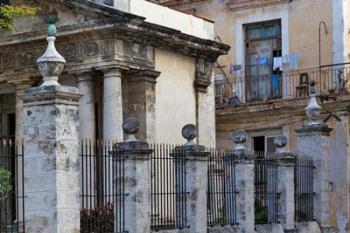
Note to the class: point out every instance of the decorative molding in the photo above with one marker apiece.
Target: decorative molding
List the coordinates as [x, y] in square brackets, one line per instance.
[204, 71]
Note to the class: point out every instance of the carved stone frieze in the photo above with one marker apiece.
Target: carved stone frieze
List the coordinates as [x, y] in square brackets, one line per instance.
[78, 53]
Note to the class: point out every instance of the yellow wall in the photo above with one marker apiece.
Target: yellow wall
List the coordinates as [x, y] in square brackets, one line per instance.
[175, 96]
[303, 21]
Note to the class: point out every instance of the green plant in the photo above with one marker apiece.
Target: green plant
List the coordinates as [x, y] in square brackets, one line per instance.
[5, 183]
[8, 13]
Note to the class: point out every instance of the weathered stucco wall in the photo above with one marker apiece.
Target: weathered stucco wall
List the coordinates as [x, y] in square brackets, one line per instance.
[173, 19]
[175, 96]
[299, 30]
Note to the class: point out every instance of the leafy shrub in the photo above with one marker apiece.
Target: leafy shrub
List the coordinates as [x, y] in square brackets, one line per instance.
[5, 182]
[97, 220]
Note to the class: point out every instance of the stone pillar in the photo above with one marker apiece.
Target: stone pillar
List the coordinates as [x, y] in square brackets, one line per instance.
[20, 88]
[142, 102]
[193, 158]
[51, 159]
[87, 119]
[286, 165]
[112, 105]
[244, 183]
[313, 139]
[51, 149]
[136, 178]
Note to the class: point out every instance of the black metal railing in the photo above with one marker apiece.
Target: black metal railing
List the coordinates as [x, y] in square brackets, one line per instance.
[168, 188]
[221, 188]
[11, 186]
[331, 80]
[102, 188]
[266, 191]
[304, 191]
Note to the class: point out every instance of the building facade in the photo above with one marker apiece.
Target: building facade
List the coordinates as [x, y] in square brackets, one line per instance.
[279, 47]
[125, 62]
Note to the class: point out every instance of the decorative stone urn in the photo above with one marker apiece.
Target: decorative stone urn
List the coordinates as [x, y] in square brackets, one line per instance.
[280, 143]
[313, 110]
[51, 63]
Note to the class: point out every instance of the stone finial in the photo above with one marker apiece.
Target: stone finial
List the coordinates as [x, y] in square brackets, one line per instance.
[239, 137]
[51, 63]
[313, 110]
[189, 132]
[280, 143]
[131, 126]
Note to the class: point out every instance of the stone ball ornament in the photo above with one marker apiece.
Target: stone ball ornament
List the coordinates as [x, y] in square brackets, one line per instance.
[280, 141]
[189, 132]
[131, 126]
[239, 136]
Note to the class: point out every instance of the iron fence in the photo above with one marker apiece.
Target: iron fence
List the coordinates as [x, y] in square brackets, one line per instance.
[304, 192]
[102, 188]
[168, 188]
[11, 187]
[331, 80]
[266, 191]
[221, 188]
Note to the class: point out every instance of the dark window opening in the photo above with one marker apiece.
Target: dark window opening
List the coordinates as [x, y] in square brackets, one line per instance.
[11, 122]
[259, 146]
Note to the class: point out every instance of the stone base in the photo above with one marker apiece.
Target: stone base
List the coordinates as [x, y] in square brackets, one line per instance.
[269, 228]
[308, 227]
[225, 229]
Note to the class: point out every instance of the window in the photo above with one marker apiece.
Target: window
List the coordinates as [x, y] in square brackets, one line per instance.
[263, 60]
[263, 145]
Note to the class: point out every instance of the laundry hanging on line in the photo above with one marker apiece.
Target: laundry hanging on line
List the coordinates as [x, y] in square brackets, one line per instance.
[277, 63]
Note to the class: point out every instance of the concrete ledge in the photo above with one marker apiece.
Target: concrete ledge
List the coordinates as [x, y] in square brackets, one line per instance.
[225, 229]
[269, 228]
[308, 227]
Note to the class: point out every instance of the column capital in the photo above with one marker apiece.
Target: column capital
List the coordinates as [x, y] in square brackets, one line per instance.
[112, 72]
[84, 76]
[143, 75]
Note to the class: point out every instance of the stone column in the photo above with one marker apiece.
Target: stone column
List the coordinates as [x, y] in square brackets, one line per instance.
[193, 158]
[87, 119]
[205, 109]
[136, 179]
[313, 139]
[244, 183]
[142, 102]
[112, 105]
[286, 161]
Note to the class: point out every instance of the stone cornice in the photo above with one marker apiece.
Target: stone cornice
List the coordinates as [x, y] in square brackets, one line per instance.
[130, 25]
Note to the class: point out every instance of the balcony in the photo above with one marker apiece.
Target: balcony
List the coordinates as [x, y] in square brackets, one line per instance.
[331, 81]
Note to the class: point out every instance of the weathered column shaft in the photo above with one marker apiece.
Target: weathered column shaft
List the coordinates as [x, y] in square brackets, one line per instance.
[51, 159]
[142, 102]
[87, 119]
[314, 141]
[112, 105]
[137, 181]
